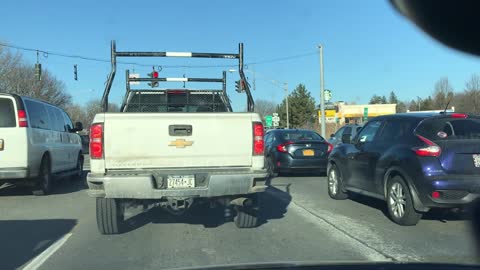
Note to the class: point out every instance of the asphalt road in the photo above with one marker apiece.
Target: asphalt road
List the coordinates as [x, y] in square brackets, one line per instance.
[299, 223]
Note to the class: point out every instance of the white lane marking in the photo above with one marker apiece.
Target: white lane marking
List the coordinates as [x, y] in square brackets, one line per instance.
[42, 257]
[369, 253]
[179, 54]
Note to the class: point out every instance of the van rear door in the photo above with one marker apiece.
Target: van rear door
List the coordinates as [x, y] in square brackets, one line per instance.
[13, 138]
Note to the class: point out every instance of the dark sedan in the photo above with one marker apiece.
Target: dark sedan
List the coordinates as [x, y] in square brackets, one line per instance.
[295, 150]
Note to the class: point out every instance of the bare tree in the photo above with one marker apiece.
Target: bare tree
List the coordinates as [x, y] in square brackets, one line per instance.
[264, 107]
[95, 106]
[16, 76]
[442, 94]
[472, 95]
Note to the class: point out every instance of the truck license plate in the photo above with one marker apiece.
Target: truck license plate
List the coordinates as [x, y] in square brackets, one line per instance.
[308, 152]
[181, 181]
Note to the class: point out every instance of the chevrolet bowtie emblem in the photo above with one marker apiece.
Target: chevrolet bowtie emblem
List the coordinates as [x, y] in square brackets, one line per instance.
[180, 143]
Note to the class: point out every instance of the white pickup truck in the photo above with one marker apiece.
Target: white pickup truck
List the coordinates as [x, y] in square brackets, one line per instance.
[176, 148]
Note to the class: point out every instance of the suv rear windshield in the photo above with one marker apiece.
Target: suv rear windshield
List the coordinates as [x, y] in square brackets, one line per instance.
[450, 128]
[301, 135]
[7, 113]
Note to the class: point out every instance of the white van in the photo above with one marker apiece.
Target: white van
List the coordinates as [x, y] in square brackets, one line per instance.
[37, 143]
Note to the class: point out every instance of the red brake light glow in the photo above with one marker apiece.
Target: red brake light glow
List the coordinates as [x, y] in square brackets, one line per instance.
[330, 148]
[435, 194]
[96, 141]
[283, 147]
[22, 118]
[258, 142]
[432, 149]
[458, 115]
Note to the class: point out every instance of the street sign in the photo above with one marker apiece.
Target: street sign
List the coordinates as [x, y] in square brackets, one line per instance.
[276, 124]
[276, 119]
[330, 113]
[365, 114]
[275, 114]
[268, 120]
[327, 94]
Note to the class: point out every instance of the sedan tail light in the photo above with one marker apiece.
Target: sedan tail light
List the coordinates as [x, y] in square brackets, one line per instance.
[330, 147]
[96, 141]
[431, 150]
[283, 147]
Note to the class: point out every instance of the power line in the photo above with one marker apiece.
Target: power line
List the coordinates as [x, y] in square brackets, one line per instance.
[47, 53]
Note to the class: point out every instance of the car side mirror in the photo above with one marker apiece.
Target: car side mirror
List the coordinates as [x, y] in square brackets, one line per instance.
[346, 138]
[332, 135]
[78, 126]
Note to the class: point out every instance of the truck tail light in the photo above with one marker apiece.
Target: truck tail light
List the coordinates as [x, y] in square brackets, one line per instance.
[96, 141]
[282, 148]
[258, 143]
[431, 150]
[22, 118]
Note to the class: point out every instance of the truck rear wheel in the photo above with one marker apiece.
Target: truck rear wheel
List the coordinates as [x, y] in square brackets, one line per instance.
[110, 215]
[246, 218]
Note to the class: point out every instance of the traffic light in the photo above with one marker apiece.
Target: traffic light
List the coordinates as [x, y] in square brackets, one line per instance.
[239, 86]
[153, 74]
[38, 71]
[75, 74]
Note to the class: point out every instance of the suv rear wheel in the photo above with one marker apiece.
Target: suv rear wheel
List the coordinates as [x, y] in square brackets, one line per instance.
[400, 203]
[335, 185]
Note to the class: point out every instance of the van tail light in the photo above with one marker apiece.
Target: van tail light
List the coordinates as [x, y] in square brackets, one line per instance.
[330, 147]
[258, 142]
[282, 148]
[22, 118]
[96, 141]
[431, 150]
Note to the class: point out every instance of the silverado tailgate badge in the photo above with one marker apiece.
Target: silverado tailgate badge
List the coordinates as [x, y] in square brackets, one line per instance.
[180, 143]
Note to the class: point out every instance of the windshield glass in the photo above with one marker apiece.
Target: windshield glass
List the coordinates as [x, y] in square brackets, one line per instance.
[177, 134]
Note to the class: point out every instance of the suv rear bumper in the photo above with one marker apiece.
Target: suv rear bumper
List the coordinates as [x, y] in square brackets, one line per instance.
[13, 173]
[455, 191]
[152, 184]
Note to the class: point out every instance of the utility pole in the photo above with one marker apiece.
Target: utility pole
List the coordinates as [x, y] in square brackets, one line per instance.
[286, 104]
[322, 93]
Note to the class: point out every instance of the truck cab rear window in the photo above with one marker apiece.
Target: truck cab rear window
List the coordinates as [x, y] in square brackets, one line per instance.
[449, 129]
[7, 113]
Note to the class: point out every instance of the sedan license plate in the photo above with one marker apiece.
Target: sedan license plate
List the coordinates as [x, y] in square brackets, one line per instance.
[476, 160]
[181, 181]
[308, 152]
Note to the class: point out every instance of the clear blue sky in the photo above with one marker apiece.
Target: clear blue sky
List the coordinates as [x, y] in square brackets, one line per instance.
[369, 48]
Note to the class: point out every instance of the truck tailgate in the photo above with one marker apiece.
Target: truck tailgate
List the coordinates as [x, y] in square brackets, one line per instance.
[146, 140]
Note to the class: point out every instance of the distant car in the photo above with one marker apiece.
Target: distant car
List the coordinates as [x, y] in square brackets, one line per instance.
[414, 162]
[295, 150]
[37, 142]
[345, 132]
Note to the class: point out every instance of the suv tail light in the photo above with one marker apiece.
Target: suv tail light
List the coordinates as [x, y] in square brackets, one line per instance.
[432, 149]
[258, 143]
[96, 141]
[283, 147]
[22, 118]
[458, 115]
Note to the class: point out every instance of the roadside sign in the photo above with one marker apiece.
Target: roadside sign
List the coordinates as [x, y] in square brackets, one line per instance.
[327, 94]
[276, 119]
[268, 120]
[365, 114]
[330, 113]
[134, 75]
[276, 124]
[275, 114]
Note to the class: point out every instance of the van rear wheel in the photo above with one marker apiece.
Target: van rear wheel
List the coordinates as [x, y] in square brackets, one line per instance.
[44, 180]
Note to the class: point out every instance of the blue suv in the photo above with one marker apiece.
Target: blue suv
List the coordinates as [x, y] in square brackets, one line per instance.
[413, 161]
